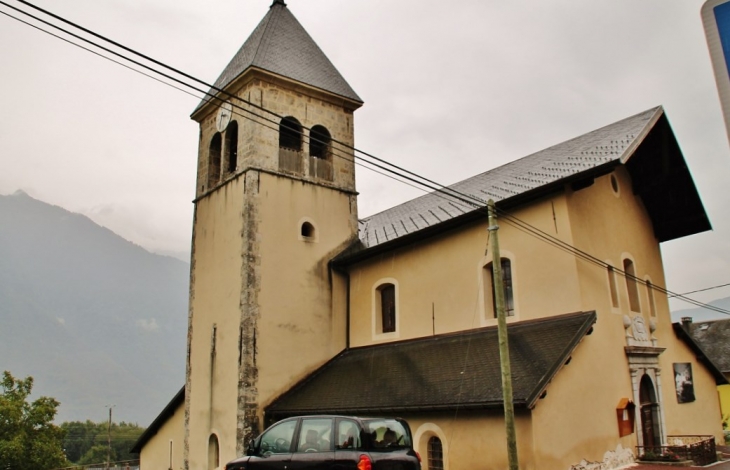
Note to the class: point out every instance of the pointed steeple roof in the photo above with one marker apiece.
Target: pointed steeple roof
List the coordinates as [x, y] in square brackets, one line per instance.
[280, 45]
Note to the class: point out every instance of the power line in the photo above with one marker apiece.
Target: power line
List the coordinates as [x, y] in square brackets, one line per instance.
[396, 172]
[701, 290]
[188, 76]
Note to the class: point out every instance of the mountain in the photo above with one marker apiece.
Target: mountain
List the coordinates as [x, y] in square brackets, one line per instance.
[95, 319]
[699, 314]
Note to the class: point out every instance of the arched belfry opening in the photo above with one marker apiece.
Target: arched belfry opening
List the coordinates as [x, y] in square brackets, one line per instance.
[290, 134]
[231, 147]
[290, 145]
[649, 412]
[320, 154]
[214, 160]
[319, 142]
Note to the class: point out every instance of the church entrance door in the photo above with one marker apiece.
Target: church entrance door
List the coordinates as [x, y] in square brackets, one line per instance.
[649, 413]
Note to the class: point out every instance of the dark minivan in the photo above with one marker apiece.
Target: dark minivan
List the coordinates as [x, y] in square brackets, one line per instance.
[332, 442]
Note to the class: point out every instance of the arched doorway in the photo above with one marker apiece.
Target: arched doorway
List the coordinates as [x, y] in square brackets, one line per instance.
[649, 413]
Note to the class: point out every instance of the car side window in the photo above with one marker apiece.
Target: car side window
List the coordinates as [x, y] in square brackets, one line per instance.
[277, 440]
[315, 435]
[348, 435]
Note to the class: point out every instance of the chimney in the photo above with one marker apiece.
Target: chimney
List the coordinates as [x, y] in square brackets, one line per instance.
[686, 322]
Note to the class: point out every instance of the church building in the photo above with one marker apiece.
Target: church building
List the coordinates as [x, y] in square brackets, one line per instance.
[299, 306]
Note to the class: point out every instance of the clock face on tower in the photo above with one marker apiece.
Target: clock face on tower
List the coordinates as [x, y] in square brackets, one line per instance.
[224, 116]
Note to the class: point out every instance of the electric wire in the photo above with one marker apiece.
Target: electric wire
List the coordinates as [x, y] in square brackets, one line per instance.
[212, 87]
[409, 181]
[702, 290]
[96, 53]
[183, 83]
[431, 185]
[409, 177]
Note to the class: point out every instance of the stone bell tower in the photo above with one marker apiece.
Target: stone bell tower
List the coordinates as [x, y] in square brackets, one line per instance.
[275, 201]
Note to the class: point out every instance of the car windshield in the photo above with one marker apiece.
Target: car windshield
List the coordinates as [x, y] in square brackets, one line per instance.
[387, 433]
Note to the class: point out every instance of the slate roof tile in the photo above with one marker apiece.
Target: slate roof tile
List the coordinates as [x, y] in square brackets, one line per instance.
[441, 372]
[714, 338]
[607, 144]
[706, 359]
[280, 45]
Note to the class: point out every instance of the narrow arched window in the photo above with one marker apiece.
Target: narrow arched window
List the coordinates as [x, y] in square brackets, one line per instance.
[612, 286]
[319, 142]
[650, 294]
[386, 308]
[214, 160]
[213, 452]
[307, 230]
[509, 301]
[231, 147]
[631, 285]
[290, 134]
[435, 454]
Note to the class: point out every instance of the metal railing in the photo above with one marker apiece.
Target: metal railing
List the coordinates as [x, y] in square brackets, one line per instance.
[699, 449]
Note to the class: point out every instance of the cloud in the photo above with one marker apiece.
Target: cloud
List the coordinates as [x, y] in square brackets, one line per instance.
[147, 325]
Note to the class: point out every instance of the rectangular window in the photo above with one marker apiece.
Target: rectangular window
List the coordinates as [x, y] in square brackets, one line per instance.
[387, 306]
[612, 287]
[509, 301]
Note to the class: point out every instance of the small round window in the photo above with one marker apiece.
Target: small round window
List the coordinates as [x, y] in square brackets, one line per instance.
[614, 184]
[307, 230]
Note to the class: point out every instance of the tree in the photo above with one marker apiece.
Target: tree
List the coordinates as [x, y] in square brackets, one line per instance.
[28, 438]
[97, 454]
[81, 437]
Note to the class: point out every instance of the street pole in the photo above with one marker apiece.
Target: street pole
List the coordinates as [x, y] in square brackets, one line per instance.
[509, 409]
[109, 440]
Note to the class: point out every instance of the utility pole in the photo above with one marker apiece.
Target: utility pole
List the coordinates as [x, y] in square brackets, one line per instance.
[109, 439]
[509, 408]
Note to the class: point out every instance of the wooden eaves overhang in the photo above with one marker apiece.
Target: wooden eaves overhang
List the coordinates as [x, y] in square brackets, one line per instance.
[644, 144]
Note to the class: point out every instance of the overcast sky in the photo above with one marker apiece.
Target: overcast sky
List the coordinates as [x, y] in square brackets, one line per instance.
[451, 89]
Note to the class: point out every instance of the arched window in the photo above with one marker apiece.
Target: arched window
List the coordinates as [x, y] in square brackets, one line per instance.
[307, 230]
[631, 285]
[319, 142]
[231, 147]
[612, 286]
[290, 134]
[213, 452]
[650, 293]
[489, 292]
[386, 313]
[435, 454]
[214, 160]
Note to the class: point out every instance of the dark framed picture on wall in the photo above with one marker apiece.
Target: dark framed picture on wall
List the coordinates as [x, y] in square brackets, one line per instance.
[684, 383]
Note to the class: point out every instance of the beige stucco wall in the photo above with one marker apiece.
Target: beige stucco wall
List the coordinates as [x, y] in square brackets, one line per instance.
[164, 450]
[215, 299]
[298, 328]
[473, 439]
[577, 419]
[262, 286]
[445, 276]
